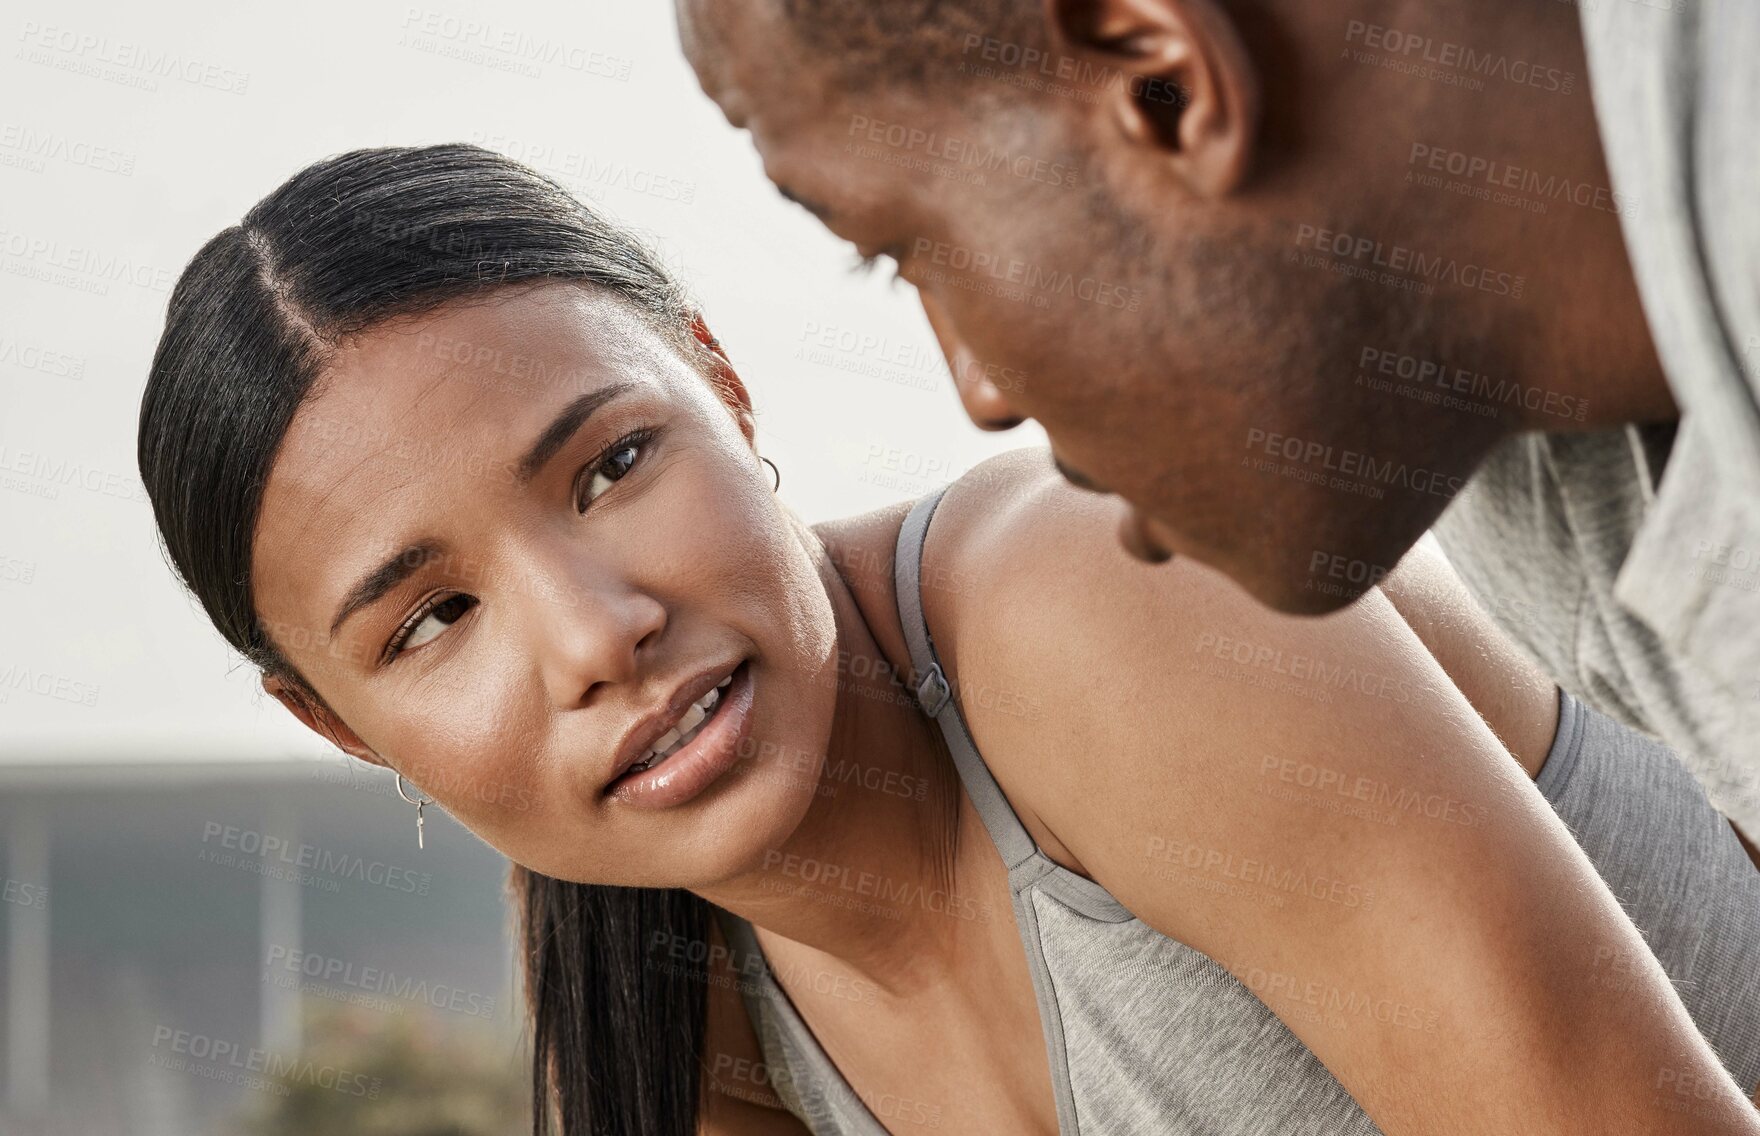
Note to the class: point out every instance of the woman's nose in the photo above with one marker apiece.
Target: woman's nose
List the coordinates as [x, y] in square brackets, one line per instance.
[985, 403]
[595, 638]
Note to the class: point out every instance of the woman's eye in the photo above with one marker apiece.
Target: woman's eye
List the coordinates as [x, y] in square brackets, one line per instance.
[619, 460]
[435, 620]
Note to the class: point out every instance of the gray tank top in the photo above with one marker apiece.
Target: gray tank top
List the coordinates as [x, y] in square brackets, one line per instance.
[1148, 1035]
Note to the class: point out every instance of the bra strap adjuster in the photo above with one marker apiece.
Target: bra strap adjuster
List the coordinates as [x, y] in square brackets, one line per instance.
[933, 693]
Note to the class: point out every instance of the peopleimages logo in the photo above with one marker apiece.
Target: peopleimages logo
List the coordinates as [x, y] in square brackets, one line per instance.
[896, 893]
[25, 895]
[1032, 278]
[35, 147]
[1353, 463]
[51, 472]
[310, 858]
[216, 1055]
[73, 266]
[376, 980]
[1481, 392]
[509, 48]
[1333, 1003]
[899, 362]
[1396, 800]
[959, 151]
[35, 358]
[17, 676]
[1410, 48]
[106, 57]
[581, 171]
[1409, 261]
[1245, 869]
[1066, 69]
[1498, 175]
[1305, 668]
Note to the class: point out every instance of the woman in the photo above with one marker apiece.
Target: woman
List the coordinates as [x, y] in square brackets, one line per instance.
[454, 462]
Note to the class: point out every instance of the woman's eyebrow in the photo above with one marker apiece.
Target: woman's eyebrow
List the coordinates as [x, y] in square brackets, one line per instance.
[369, 589]
[563, 426]
[373, 586]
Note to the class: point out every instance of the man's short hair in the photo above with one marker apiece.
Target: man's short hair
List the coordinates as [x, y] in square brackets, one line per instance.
[922, 43]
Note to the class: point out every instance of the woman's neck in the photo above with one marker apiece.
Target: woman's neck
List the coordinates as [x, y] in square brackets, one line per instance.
[867, 878]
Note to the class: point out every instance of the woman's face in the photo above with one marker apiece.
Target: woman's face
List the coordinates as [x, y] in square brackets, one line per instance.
[528, 596]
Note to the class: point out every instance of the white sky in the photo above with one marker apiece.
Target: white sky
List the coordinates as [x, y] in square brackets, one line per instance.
[114, 168]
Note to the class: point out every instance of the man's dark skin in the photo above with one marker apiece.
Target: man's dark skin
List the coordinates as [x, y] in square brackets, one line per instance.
[1277, 273]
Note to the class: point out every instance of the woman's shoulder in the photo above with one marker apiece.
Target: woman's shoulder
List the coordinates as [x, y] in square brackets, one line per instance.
[1006, 547]
[975, 509]
[1019, 569]
[992, 532]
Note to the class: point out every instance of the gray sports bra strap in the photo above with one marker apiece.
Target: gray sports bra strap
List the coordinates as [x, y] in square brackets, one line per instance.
[936, 696]
[746, 958]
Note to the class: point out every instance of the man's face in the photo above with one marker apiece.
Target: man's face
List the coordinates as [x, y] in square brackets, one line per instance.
[1157, 334]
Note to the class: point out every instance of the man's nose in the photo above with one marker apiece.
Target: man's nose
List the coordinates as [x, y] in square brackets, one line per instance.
[986, 405]
[1143, 538]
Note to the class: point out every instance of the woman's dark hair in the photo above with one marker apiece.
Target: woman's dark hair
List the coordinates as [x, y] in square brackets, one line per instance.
[618, 1025]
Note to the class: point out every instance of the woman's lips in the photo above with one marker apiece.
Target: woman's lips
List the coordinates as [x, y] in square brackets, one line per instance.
[696, 765]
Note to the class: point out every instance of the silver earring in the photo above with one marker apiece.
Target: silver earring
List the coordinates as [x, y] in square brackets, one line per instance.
[418, 805]
[777, 472]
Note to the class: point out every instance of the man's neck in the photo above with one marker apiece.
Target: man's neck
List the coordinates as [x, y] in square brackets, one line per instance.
[1578, 331]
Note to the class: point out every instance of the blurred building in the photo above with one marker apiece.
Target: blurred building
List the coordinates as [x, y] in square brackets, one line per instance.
[167, 929]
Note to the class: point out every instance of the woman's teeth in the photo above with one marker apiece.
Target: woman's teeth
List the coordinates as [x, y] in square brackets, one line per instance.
[680, 735]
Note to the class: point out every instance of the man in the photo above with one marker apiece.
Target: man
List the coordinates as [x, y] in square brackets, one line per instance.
[1284, 276]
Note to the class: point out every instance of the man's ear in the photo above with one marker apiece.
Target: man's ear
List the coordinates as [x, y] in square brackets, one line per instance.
[319, 718]
[1179, 82]
[725, 379]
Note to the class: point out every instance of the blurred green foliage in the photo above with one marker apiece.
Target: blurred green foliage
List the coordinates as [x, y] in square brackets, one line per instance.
[363, 1073]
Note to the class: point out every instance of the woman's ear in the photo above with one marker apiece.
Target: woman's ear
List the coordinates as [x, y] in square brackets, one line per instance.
[725, 379]
[1180, 85]
[319, 718]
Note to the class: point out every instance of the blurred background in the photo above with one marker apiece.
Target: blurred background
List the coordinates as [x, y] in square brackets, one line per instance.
[211, 922]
